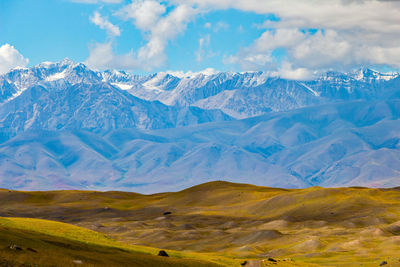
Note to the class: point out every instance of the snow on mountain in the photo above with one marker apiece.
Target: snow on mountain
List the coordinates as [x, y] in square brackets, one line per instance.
[272, 95]
[346, 144]
[240, 95]
[363, 84]
[52, 74]
[161, 81]
[244, 95]
[369, 75]
[96, 107]
[63, 125]
[7, 90]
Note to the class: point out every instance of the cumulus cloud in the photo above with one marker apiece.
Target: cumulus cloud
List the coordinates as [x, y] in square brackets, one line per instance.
[104, 24]
[98, 1]
[287, 71]
[190, 74]
[314, 35]
[102, 56]
[10, 58]
[145, 14]
[349, 33]
[167, 28]
[204, 42]
[158, 27]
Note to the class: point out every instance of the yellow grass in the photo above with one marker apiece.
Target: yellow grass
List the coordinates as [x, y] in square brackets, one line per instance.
[90, 237]
[228, 223]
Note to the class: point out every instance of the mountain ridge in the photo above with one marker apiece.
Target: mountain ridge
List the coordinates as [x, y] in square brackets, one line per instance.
[65, 126]
[293, 149]
[222, 90]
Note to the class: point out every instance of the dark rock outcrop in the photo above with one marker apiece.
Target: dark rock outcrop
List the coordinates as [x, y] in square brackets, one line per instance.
[163, 253]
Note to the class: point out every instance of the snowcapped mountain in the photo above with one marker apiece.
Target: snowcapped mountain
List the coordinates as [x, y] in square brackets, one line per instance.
[240, 95]
[63, 125]
[51, 73]
[7, 90]
[244, 95]
[364, 84]
[97, 107]
[368, 75]
[226, 91]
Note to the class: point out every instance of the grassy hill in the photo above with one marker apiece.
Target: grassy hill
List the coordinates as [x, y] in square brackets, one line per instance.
[49, 243]
[226, 223]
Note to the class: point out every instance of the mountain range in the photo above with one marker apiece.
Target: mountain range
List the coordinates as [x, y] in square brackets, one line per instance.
[63, 125]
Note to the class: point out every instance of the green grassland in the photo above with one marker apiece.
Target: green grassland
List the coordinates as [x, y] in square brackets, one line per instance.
[220, 223]
[49, 243]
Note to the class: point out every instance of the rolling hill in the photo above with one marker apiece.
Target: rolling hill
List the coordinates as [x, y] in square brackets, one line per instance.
[34, 242]
[325, 226]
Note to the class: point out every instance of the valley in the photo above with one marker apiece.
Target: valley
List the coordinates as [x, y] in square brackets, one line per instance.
[193, 133]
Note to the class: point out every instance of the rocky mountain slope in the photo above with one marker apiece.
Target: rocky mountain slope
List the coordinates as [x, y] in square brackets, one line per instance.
[63, 125]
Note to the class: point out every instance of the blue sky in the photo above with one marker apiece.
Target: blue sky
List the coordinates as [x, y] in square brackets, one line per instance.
[55, 29]
[296, 39]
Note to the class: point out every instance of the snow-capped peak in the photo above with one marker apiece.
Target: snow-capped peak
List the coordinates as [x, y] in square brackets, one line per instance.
[45, 64]
[192, 74]
[50, 64]
[67, 61]
[243, 93]
[56, 76]
[367, 74]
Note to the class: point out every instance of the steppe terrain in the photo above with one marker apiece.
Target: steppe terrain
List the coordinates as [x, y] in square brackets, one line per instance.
[206, 225]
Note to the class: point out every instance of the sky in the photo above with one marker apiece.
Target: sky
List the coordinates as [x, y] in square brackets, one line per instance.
[293, 39]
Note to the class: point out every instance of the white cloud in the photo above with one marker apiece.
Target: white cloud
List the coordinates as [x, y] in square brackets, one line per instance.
[167, 28]
[101, 56]
[10, 58]
[221, 25]
[158, 28]
[351, 33]
[145, 14]
[98, 1]
[251, 61]
[204, 42]
[104, 24]
[286, 71]
[189, 74]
